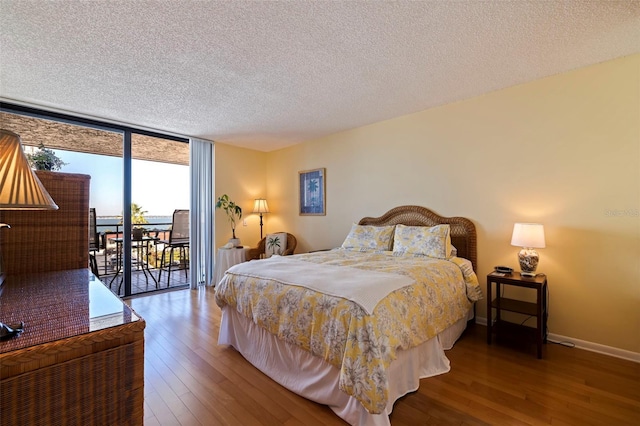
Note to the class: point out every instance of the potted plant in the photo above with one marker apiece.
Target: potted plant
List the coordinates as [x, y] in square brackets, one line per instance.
[45, 159]
[234, 212]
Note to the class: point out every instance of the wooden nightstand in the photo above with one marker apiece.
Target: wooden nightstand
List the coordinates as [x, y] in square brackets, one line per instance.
[537, 309]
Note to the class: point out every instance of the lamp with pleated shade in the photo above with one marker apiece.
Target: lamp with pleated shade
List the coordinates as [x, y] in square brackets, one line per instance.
[20, 189]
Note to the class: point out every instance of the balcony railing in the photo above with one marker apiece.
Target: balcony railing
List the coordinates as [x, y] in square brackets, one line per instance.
[146, 258]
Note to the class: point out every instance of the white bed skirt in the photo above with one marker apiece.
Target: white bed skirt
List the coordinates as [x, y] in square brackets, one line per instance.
[317, 380]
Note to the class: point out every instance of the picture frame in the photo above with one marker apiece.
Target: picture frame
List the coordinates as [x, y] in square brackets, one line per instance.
[312, 192]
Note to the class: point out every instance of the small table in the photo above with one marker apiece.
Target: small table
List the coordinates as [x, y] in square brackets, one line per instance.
[225, 259]
[141, 246]
[537, 309]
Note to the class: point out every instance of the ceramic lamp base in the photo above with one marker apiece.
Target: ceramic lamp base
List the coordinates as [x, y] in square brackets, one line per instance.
[235, 241]
[528, 259]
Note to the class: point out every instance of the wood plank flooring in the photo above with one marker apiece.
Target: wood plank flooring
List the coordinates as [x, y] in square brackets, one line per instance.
[190, 380]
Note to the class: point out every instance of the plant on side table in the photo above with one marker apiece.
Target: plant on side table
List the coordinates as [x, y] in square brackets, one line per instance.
[234, 213]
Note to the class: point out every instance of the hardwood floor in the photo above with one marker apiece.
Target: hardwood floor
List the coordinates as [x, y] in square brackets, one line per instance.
[190, 380]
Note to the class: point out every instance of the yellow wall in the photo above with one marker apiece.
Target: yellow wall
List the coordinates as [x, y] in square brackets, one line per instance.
[239, 173]
[563, 151]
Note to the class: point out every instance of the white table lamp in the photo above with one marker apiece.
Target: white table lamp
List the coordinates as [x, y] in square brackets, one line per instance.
[529, 236]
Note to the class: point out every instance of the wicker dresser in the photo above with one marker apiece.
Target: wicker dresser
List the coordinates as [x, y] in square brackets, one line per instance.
[80, 360]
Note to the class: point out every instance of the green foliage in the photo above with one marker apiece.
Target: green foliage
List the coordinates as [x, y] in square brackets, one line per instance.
[45, 159]
[233, 211]
[137, 215]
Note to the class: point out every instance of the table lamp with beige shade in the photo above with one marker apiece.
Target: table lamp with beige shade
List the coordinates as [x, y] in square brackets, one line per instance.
[20, 189]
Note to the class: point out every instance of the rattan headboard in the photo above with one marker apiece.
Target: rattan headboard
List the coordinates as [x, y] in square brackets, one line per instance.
[463, 231]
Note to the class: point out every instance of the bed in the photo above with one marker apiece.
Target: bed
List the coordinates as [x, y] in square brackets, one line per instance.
[357, 327]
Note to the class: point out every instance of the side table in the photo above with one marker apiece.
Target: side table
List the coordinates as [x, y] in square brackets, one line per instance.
[225, 259]
[499, 303]
[141, 247]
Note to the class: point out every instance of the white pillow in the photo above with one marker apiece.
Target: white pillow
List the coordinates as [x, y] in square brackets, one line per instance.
[368, 238]
[275, 244]
[432, 241]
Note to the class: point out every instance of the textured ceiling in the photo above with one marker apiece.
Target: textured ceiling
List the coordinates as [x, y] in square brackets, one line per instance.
[265, 75]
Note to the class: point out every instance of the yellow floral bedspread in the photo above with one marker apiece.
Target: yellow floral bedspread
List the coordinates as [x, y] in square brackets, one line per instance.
[361, 346]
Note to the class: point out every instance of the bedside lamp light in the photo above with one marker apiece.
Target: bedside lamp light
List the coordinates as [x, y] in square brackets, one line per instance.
[260, 206]
[20, 189]
[529, 236]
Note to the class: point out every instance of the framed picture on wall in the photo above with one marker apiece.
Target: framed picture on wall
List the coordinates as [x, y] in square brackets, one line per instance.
[312, 192]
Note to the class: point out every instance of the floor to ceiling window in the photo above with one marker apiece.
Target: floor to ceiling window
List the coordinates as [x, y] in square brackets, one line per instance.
[148, 172]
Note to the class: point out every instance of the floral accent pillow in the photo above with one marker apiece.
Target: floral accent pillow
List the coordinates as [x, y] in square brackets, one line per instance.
[275, 244]
[432, 241]
[368, 238]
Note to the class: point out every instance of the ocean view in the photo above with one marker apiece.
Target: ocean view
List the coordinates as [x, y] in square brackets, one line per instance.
[109, 223]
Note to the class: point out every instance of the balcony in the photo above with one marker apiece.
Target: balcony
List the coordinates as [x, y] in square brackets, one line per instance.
[146, 253]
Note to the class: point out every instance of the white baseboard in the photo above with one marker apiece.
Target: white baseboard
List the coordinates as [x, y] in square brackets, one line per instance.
[583, 344]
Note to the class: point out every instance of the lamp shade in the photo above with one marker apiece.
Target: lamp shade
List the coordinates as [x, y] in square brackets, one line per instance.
[20, 188]
[529, 235]
[260, 206]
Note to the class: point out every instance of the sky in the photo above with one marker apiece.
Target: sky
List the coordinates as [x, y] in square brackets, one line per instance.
[159, 188]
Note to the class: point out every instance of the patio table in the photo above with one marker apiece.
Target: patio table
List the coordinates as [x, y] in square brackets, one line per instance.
[141, 247]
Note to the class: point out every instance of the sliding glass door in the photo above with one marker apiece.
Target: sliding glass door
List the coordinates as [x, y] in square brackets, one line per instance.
[138, 179]
[159, 187]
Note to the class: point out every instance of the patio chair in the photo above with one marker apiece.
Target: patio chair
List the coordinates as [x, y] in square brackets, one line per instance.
[178, 239]
[94, 242]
